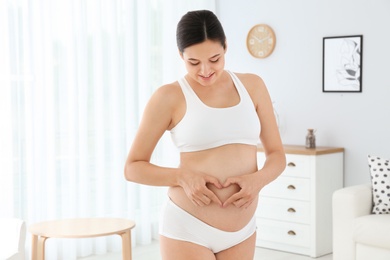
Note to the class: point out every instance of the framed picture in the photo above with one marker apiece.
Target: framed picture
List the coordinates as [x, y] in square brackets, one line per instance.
[342, 64]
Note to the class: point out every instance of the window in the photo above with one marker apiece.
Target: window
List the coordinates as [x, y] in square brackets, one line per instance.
[75, 77]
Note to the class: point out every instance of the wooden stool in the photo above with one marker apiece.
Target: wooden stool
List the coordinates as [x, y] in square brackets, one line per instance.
[80, 228]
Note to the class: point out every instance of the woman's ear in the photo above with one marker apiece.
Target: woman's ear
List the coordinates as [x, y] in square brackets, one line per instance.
[226, 45]
[181, 54]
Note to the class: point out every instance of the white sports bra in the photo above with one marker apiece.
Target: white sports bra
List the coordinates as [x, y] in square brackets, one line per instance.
[204, 127]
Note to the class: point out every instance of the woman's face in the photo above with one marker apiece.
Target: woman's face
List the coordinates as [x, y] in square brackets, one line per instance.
[204, 61]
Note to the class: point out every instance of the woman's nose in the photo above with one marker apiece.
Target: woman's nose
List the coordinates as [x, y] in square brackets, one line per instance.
[205, 69]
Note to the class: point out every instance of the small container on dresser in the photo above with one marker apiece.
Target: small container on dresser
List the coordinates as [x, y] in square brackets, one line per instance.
[295, 211]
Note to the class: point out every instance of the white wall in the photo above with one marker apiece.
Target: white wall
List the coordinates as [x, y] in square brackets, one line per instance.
[359, 122]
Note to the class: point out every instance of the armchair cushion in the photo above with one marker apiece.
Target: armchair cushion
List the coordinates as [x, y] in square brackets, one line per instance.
[372, 230]
[380, 177]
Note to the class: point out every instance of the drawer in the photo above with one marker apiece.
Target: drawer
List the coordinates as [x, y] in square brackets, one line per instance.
[284, 210]
[288, 188]
[296, 165]
[283, 232]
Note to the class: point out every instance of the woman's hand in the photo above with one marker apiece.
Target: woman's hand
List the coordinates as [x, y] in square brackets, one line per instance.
[249, 190]
[195, 186]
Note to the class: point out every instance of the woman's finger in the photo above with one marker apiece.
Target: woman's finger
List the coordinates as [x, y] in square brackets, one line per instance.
[232, 199]
[212, 197]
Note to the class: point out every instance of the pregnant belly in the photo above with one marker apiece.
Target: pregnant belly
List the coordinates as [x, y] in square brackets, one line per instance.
[229, 219]
[221, 162]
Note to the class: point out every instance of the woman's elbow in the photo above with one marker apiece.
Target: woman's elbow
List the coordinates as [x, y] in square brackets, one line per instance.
[280, 159]
[129, 172]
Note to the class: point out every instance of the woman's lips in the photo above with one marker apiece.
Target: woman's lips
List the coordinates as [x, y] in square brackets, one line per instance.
[207, 77]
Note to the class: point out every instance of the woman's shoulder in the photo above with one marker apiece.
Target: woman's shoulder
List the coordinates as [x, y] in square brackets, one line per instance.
[168, 91]
[248, 77]
[168, 94]
[252, 82]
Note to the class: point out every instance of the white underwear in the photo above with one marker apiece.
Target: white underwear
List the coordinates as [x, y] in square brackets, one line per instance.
[178, 224]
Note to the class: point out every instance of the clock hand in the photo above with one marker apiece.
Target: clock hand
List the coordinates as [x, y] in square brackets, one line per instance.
[266, 38]
[256, 38]
[260, 40]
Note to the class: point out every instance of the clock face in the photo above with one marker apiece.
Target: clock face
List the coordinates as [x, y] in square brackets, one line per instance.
[261, 41]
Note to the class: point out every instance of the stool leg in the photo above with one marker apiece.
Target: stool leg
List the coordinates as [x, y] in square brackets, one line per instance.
[126, 245]
[34, 247]
[41, 248]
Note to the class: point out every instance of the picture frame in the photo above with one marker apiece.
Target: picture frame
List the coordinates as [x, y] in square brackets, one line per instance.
[342, 64]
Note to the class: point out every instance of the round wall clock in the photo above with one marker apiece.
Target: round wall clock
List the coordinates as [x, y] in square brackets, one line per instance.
[261, 41]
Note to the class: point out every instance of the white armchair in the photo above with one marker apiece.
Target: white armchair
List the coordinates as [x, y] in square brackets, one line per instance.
[12, 239]
[357, 233]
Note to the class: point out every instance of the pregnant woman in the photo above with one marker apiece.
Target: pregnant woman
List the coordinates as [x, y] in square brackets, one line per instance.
[216, 119]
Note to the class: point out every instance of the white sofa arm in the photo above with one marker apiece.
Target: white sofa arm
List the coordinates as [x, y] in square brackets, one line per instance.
[348, 204]
[12, 238]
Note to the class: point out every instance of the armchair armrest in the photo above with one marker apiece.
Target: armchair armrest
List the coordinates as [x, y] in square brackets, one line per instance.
[348, 204]
[12, 238]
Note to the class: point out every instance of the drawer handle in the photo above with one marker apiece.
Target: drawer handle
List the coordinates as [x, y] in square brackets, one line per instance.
[291, 233]
[291, 164]
[291, 187]
[291, 210]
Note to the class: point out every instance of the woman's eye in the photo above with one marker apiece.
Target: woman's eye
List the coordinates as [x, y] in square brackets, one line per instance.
[194, 64]
[214, 61]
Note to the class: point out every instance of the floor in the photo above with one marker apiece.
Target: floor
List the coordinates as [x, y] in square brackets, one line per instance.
[151, 252]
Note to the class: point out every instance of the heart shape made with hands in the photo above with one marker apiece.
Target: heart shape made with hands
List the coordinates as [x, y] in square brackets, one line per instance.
[224, 193]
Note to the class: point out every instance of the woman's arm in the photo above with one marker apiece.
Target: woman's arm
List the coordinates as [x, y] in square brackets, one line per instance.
[160, 115]
[270, 138]
[156, 119]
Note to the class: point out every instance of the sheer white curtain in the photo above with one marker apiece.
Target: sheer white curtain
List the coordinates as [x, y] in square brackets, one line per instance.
[74, 78]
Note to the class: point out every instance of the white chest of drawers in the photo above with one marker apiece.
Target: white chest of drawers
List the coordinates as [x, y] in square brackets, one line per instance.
[294, 213]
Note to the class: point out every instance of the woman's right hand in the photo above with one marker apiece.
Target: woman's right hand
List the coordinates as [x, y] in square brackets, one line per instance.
[195, 187]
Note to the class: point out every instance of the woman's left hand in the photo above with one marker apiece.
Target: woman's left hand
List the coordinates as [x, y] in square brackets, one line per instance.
[250, 187]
